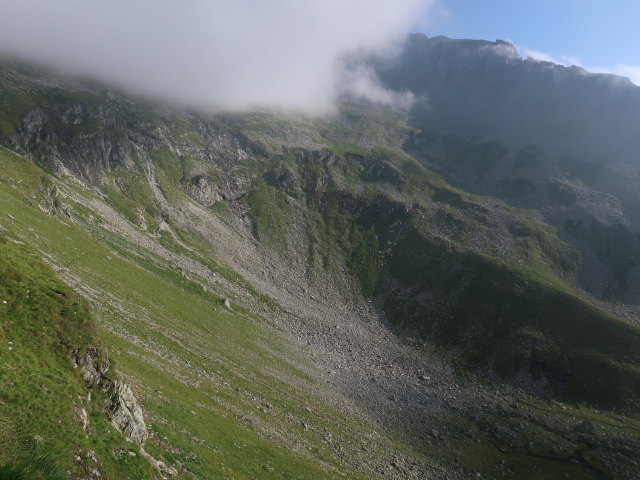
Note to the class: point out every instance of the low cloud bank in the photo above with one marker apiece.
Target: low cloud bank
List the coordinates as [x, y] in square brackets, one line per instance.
[221, 54]
[630, 71]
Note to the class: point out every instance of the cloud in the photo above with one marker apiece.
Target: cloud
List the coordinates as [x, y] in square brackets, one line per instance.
[630, 71]
[225, 54]
[539, 56]
[439, 14]
[361, 82]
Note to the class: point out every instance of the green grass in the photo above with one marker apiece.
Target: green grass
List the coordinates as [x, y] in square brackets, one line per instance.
[42, 322]
[182, 352]
[33, 460]
[14, 106]
[269, 213]
[614, 245]
[134, 199]
[542, 248]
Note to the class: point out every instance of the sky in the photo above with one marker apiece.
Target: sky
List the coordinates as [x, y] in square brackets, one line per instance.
[290, 54]
[598, 35]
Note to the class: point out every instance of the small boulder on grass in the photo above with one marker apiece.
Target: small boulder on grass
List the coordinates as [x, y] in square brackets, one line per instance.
[585, 427]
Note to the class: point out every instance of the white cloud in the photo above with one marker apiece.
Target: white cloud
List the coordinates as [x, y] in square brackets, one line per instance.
[540, 56]
[228, 54]
[362, 82]
[439, 15]
[630, 71]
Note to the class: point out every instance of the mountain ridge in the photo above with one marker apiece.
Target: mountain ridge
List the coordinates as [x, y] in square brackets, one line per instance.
[505, 96]
[327, 292]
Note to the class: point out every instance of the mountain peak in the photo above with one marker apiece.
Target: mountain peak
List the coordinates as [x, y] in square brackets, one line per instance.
[481, 87]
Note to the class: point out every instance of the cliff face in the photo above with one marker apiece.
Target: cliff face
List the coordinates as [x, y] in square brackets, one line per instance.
[484, 88]
[556, 139]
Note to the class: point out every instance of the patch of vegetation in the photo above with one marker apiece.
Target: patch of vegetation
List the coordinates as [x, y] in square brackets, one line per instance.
[363, 124]
[527, 157]
[131, 195]
[170, 165]
[43, 321]
[269, 213]
[14, 106]
[536, 439]
[516, 188]
[479, 155]
[33, 460]
[171, 173]
[514, 318]
[617, 246]
[542, 246]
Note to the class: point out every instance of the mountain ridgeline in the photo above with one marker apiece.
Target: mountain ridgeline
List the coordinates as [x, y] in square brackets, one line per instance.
[485, 88]
[443, 292]
[560, 140]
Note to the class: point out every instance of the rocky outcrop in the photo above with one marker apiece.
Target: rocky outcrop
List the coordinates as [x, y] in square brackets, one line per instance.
[93, 366]
[121, 405]
[202, 191]
[125, 413]
[161, 467]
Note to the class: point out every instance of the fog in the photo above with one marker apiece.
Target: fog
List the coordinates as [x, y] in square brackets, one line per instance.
[222, 54]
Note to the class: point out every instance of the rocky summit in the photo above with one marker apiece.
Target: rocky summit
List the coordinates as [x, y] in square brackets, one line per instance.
[449, 292]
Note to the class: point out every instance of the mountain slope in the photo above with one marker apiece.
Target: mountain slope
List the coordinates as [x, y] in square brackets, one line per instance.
[185, 350]
[243, 268]
[476, 87]
[48, 415]
[541, 136]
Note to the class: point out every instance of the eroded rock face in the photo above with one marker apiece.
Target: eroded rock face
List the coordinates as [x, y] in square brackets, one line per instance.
[125, 413]
[121, 406]
[93, 367]
[203, 191]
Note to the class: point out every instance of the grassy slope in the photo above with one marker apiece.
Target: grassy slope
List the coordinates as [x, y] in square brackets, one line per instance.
[42, 321]
[513, 318]
[208, 377]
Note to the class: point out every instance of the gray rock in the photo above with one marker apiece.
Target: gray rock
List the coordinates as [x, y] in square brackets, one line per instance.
[80, 415]
[164, 469]
[202, 191]
[92, 367]
[125, 413]
[585, 427]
